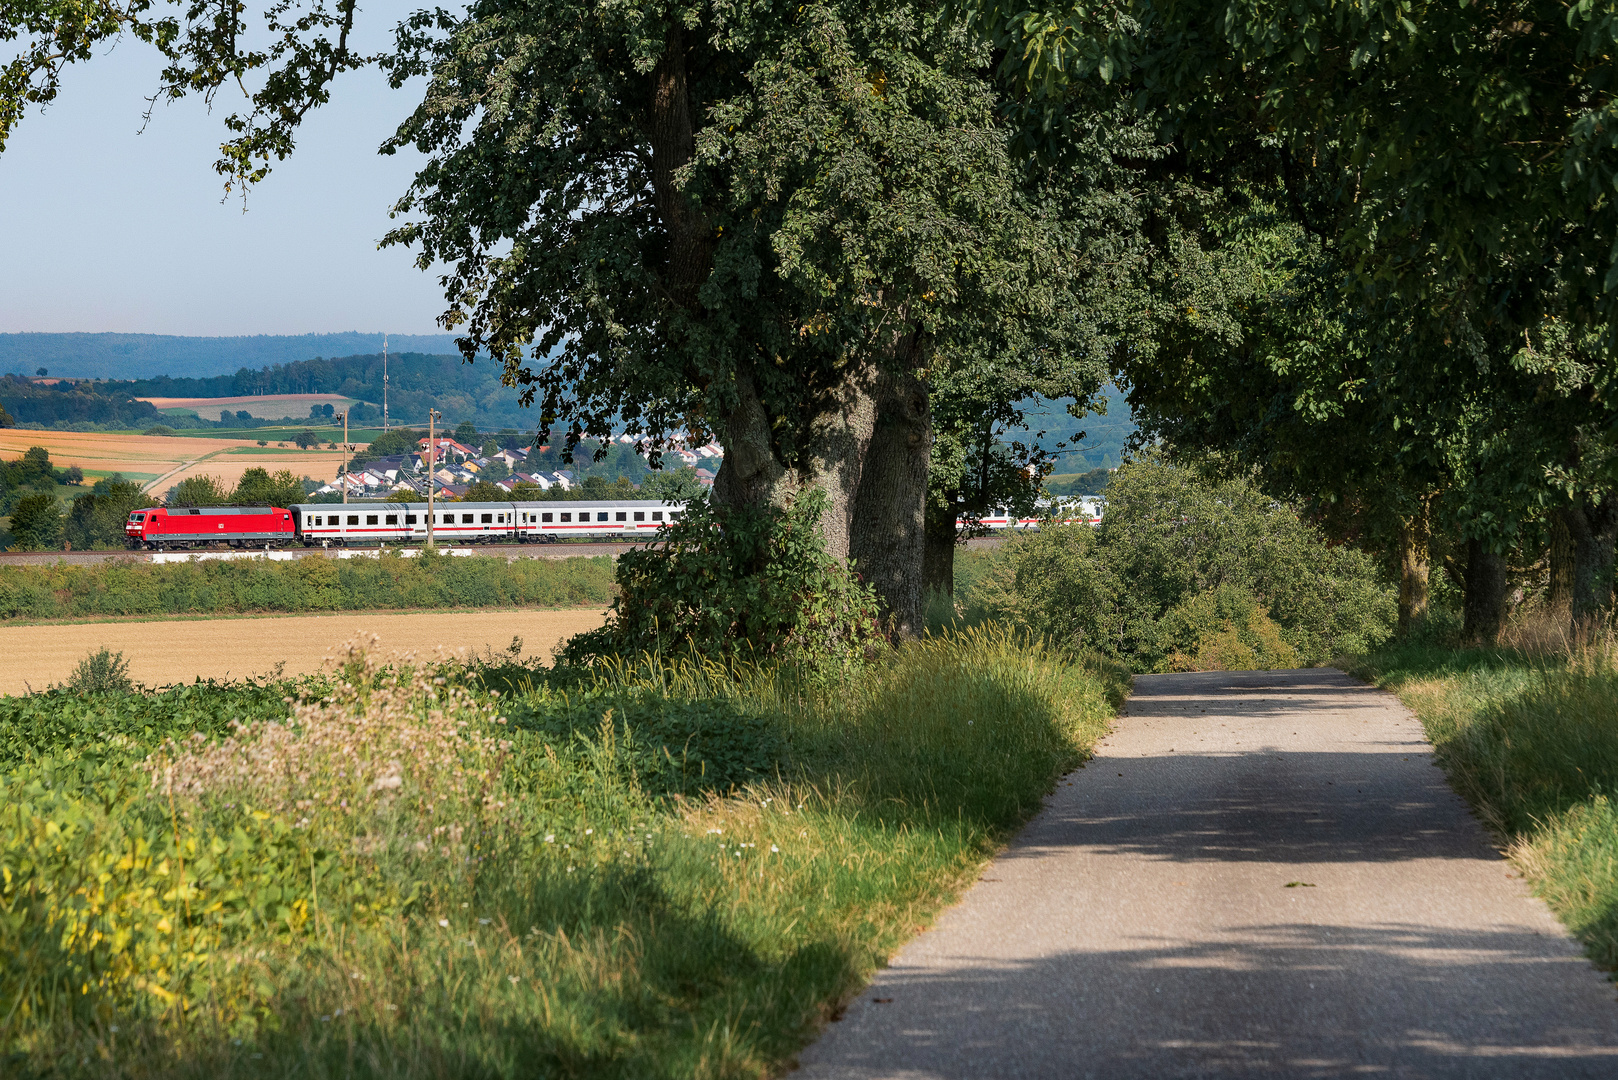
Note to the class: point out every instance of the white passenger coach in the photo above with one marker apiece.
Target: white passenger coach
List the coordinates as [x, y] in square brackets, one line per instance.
[480, 522]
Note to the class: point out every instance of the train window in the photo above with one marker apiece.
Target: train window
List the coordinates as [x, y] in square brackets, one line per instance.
[544, 517]
[601, 516]
[466, 519]
[502, 517]
[674, 515]
[370, 519]
[622, 516]
[353, 519]
[449, 519]
[393, 519]
[657, 515]
[640, 515]
[196, 511]
[567, 517]
[410, 519]
[314, 521]
[488, 518]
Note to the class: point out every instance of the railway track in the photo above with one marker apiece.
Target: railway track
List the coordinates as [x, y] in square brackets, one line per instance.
[503, 551]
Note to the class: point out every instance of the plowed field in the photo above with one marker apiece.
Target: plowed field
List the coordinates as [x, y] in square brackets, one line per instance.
[170, 652]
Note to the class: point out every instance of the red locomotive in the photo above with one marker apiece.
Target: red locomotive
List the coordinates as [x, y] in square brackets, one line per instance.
[184, 527]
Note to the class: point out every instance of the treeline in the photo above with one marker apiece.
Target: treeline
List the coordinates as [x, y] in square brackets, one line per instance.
[416, 382]
[65, 403]
[314, 583]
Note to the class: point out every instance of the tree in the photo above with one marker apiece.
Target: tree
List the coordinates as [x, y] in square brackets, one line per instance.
[41, 372]
[1455, 161]
[671, 485]
[305, 439]
[772, 227]
[258, 487]
[466, 432]
[483, 491]
[200, 490]
[96, 518]
[36, 523]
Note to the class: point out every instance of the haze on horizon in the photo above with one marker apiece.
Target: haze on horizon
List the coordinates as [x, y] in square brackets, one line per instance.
[107, 229]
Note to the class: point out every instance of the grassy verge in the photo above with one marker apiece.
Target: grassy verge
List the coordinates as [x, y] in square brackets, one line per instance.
[250, 586]
[1530, 739]
[668, 870]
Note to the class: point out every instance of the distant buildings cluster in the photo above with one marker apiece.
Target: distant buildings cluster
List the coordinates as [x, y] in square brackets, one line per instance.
[456, 467]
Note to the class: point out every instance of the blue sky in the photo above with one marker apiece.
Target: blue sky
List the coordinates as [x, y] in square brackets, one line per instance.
[104, 229]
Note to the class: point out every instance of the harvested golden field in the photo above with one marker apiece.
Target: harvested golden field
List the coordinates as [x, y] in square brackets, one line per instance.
[167, 459]
[230, 463]
[267, 407]
[180, 651]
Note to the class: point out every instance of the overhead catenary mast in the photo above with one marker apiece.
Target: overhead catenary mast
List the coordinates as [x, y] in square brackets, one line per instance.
[384, 384]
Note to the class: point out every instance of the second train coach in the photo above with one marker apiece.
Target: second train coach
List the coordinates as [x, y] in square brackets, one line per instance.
[487, 522]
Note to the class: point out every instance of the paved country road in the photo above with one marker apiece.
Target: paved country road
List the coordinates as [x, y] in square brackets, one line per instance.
[1261, 874]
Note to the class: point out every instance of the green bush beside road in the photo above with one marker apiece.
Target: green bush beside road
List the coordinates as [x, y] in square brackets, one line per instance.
[1184, 573]
[242, 586]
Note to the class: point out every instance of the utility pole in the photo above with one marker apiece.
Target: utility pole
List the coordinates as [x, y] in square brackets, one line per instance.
[384, 384]
[343, 476]
[432, 465]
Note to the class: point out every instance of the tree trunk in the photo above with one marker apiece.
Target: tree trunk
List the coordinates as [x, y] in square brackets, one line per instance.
[833, 458]
[887, 533]
[1560, 594]
[938, 560]
[1593, 528]
[1485, 600]
[1414, 568]
[673, 139]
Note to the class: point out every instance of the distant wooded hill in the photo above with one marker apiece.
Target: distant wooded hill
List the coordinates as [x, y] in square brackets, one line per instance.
[144, 356]
[66, 404]
[416, 382]
[1104, 436]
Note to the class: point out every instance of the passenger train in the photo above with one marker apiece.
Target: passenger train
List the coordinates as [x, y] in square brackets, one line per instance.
[160, 528]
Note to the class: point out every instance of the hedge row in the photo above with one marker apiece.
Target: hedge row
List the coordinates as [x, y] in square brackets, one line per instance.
[223, 587]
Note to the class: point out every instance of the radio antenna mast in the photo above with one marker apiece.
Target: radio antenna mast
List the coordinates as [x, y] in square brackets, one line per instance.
[384, 384]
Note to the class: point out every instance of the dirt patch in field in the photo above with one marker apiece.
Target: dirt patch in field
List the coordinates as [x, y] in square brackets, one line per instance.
[267, 407]
[170, 652]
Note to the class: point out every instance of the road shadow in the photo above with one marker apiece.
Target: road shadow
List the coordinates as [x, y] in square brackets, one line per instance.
[1284, 1000]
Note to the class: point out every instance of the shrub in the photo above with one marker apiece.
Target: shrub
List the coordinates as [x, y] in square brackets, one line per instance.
[730, 581]
[1223, 630]
[158, 429]
[1130, 587]
[101, 670]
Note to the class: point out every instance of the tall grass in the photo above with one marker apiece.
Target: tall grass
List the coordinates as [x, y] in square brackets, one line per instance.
[667, 869]
[1528, 734]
